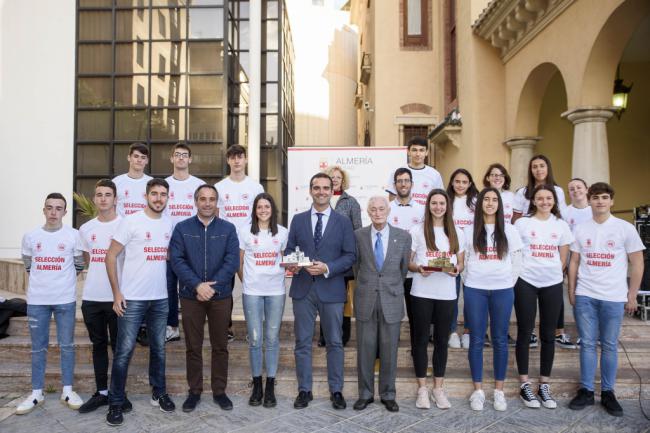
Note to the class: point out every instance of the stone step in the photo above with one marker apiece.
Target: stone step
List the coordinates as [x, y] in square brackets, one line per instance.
[16, 378]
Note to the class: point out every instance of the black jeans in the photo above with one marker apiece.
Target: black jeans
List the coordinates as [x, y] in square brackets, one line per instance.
[101, 322]
[172, 297]
[550, 301]
[426, 311]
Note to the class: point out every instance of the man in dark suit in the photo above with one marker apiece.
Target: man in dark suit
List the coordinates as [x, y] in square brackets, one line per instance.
[383, 254]
[328, 240]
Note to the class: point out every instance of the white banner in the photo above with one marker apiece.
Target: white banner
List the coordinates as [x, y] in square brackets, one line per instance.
[368, 169]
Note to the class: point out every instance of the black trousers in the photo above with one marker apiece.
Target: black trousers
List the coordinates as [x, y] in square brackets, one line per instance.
[101, 322]
[408, 283]
[425, 312]
[527, 297]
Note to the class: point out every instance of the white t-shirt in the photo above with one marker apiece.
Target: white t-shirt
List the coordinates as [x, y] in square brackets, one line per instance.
[438, 285]
[180, 204]
[508, 199]
[145, 243]
[487, 271]
[424, 180]
[463, 215]
[542, 266]
[96, 237]
[603, 250]
[131, 193]
[574, 216]
[52, 278]
[521, 203]
[236, 200]
[406, 216]
[263, 275]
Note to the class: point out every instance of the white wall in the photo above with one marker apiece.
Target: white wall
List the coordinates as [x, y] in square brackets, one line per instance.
[37, 66]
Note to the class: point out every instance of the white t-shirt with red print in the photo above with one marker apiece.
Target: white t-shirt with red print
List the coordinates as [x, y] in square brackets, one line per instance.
[263, 275]
[508, 199]
[52, 276]
[438, 285]
[180, 203]
[96, 237]
[521, 203]
[487, 271]
[145, 240]
[424, 180]
[405, 216]
[542, 265]
[236, 200]
[603, 250]
[131, 193]
[463, 214]
[574, 216]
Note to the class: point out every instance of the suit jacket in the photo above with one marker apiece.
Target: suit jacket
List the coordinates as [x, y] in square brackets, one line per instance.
[387, 281]
[337, 249]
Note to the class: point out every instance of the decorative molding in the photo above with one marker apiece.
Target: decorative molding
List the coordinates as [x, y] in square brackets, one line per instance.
[448, 134]
[510, 24]
[415, 120]
[416, 107]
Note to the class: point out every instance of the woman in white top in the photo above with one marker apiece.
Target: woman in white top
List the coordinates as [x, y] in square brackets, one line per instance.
[261, 248]
[540, 172]
[496, 176]
[489, 277]
[462, 192]
[433, 294]
[546, 238]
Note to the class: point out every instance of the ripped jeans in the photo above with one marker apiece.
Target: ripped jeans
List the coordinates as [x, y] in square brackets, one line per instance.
[263, 320]
[39, 328]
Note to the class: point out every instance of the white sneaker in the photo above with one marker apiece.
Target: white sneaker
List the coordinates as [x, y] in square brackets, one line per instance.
[72, 400]
[439, 397]
[422, 401]
[30, 403]
[500, 403]
[465, 341]
[172, 334]
[454, 341]
[477, 399]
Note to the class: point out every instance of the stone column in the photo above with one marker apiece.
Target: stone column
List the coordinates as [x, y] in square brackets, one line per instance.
[521, 150]
[590, 151]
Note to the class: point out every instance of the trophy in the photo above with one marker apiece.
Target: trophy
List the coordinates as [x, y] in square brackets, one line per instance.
[440, 264]
[296, 258]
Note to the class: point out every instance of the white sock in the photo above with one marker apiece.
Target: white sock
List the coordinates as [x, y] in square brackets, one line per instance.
[36, 393]
[104, 392]
[67, 390]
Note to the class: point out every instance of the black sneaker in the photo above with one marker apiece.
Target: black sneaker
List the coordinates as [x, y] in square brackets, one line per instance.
[544, 394]
[142, 336]
[527, 396]
[609, 402]
[231, 335]
[95, 402]
[583, 399]
[163, 402]
[563, 341]
[533, 341]
[191, 401]
[114, 416]
[511, 341]
[487, 342]
[223, 401]
[127, 406]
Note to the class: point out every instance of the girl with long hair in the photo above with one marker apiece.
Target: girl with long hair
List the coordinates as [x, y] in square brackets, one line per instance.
[540, 172]
[496, 176]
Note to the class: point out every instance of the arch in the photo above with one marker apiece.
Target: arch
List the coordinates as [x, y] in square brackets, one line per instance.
[606, 52]
[531, 97]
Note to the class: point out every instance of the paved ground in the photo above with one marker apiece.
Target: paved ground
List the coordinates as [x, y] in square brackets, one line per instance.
[54, 417]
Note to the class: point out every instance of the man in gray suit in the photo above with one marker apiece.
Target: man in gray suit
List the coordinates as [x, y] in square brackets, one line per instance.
[383, 254]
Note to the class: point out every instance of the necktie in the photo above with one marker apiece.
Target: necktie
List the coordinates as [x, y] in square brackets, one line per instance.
[379, 252]
[318, 231]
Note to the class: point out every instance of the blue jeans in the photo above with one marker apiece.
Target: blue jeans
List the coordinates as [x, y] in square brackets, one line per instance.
[154, 314]
[497, 304]
[39, 317]
[263, 320]
[598, 319]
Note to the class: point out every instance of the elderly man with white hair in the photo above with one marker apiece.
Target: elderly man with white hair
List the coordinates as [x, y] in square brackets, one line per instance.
[383, 253]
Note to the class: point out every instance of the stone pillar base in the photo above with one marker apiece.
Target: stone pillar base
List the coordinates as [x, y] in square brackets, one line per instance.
[521, 150]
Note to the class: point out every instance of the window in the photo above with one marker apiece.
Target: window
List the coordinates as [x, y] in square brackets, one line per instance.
[415, 23]
[162, 63]
[162, 24]
[451, 80]
[411, 131]
[140, 100]
[139, 55]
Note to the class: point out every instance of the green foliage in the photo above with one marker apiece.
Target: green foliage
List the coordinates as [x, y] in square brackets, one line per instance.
[85, 206]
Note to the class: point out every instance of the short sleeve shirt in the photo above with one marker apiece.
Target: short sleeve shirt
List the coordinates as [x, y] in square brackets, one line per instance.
[96, 237]
[263, 275]
[131, 193]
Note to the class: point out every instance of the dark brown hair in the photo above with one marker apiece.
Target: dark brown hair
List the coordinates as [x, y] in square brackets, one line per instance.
[504, 172]
[273, 224]
[320, 175]
[140, 147]
[472, 191]
[448, 224]
[550, 180]
[600, 188]
[235, 150]
[182, 146]
[532, 209]
[107, 183]
[157, 181]
[480, 233]
[57, 196]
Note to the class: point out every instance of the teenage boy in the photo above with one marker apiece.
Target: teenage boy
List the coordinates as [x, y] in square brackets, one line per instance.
[424, 177]
[236, 195]
[131, 186]
[53, 258]
[600, 293]
[140, 294]
[180, 207]
[97, 300]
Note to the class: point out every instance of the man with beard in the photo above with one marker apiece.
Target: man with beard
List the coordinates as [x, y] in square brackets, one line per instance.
[140, 293]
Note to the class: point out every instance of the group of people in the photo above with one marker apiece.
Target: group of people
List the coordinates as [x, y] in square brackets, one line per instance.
[157, 240]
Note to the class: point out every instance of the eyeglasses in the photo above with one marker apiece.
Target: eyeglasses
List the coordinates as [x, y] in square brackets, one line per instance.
[403, 181]
[496, 176]
[183, 155]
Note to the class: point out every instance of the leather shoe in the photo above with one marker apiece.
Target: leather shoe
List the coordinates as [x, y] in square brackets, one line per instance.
[363, 403]
[223, 401]
[303, 399]
[338, 402]
[391, 405]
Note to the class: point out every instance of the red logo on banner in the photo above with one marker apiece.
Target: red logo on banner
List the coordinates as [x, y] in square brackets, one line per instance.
[323, 164]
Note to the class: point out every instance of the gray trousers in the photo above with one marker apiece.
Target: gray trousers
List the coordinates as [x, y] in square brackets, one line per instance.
[375, 334]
